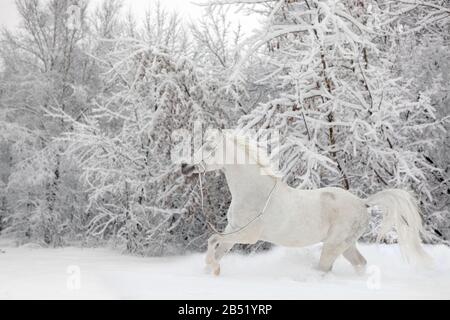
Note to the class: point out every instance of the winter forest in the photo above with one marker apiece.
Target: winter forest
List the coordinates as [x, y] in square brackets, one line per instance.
[90, 96]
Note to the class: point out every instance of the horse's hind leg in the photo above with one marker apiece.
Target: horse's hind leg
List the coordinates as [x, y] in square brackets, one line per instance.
[330, 252]
[340, 238]
[353, 255]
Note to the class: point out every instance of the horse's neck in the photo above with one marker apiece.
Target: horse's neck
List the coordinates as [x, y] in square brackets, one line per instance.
[247, 180]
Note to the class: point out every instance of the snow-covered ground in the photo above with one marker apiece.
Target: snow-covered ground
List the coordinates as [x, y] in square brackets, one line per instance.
[73, 273]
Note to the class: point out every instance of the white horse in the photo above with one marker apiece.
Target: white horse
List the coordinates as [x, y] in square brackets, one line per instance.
[265, 208]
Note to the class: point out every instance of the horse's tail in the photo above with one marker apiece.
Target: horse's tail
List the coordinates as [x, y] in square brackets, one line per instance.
[400, 211]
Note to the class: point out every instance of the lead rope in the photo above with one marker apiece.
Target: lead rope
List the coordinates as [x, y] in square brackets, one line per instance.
[214, 230]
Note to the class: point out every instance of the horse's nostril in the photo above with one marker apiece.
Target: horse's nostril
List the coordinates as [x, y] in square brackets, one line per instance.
[184, 168]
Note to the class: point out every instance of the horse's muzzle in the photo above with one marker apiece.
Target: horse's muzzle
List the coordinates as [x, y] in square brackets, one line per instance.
[188, 170]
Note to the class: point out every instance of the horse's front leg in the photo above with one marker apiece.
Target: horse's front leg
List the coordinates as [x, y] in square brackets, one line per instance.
[216, 251]
[220, 244]
[211, 261]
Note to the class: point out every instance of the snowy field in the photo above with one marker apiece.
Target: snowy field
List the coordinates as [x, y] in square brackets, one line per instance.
[73, 273]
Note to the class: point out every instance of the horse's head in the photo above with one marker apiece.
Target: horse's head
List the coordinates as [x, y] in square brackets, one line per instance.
[210, 157]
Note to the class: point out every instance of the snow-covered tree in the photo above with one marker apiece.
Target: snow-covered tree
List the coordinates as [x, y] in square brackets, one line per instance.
[43, 69]
[346, 117]
[89, 106]
[420, 48]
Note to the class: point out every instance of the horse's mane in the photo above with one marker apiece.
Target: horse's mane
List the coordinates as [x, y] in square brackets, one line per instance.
[257, 153]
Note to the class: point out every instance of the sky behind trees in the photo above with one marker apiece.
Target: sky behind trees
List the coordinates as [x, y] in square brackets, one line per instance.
[10, 18]
[189, 10]
[8, 13]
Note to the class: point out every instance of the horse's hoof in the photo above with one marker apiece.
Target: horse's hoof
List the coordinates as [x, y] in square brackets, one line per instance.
[216, 271]
[211, 268]
[361, 270]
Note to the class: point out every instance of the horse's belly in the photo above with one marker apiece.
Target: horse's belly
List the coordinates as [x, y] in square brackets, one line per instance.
[295, 233]
[293, 240]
